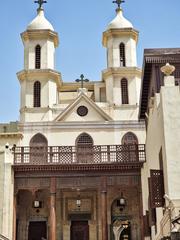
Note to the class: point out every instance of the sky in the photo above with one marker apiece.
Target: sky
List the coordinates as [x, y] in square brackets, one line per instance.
[80, 25]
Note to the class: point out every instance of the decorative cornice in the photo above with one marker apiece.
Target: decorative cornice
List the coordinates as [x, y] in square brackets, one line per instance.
[39, 74]
[84, 125]
[85, 168]
[119, 32]
[122, 72]
[39, 35]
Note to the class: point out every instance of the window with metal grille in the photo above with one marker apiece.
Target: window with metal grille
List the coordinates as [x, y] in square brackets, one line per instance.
[124, 91]
[38, 57]
[156, 188]
[84, 145]
[37, 94]
[122, 55]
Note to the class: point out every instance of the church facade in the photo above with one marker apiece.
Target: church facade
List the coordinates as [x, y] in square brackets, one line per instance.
[75, 166]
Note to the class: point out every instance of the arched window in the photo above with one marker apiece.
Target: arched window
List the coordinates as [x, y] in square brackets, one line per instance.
[130, 148]
[37, 94]
[38, 149]
[84, 146]
[122, 55]
[124, 91]
[38, 57]
[129, 139]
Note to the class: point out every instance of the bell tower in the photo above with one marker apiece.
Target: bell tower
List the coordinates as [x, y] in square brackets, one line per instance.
[39, 81]
[122, 76]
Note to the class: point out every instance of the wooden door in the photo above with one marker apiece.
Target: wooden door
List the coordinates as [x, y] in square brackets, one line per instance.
[79, 230]
[37, 231]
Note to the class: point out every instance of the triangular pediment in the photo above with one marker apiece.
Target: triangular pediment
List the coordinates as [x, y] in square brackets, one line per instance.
[83, 105]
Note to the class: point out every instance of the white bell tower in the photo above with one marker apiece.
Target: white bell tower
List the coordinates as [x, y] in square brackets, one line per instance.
[122, 76]
[39, 81]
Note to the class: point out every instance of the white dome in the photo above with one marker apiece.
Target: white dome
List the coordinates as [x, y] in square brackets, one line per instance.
[119, 21]
[40, 22]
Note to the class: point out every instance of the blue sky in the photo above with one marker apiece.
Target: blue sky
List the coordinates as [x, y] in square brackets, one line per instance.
[80, 25]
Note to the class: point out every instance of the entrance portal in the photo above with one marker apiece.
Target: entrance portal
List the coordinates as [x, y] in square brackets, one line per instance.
[37, 231]
[79, 230]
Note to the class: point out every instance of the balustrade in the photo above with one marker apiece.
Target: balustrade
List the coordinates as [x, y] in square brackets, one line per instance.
[97, 154]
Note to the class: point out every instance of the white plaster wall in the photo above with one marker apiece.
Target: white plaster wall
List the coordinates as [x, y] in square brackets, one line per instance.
[47, 54]
[11, 140]
[125, 113]
[48, 99]
[109, 89]
[36, 115]
[170, 98]
[67, 136]
[6, 193]
[154, 142]
[114, 54]
[133, 90]
[163, 131]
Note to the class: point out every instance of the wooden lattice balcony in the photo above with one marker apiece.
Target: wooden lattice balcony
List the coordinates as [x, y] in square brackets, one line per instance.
[71, 155]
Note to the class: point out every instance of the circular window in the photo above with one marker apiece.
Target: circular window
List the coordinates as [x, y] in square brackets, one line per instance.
[82, 111]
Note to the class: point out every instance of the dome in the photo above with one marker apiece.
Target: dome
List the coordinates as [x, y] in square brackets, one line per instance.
[119, 21]
[40, 22]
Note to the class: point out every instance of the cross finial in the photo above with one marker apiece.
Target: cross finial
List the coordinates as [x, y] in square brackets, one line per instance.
[119, 2]
[82, 80]
[40, 2]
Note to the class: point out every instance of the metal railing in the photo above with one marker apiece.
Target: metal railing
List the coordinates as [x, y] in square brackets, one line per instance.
[97, 154]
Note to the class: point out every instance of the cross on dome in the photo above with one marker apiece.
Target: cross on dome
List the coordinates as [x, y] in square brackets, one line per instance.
[119, 2]
[40, 2]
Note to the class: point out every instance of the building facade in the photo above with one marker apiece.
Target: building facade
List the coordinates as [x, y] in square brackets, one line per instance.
[74, 166]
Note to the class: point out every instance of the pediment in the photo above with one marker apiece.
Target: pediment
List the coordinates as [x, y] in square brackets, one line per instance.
[83, 105]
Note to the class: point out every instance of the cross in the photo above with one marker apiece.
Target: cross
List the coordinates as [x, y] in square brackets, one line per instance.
[82, 80]
[119, 2]
[40, 2]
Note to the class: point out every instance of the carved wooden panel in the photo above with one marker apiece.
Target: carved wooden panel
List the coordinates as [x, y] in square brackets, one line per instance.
[86, 205]
[30, 183]
[77, 182]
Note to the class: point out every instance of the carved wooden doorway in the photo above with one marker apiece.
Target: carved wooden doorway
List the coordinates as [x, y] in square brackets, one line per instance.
[37, 231]
[79, 230]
